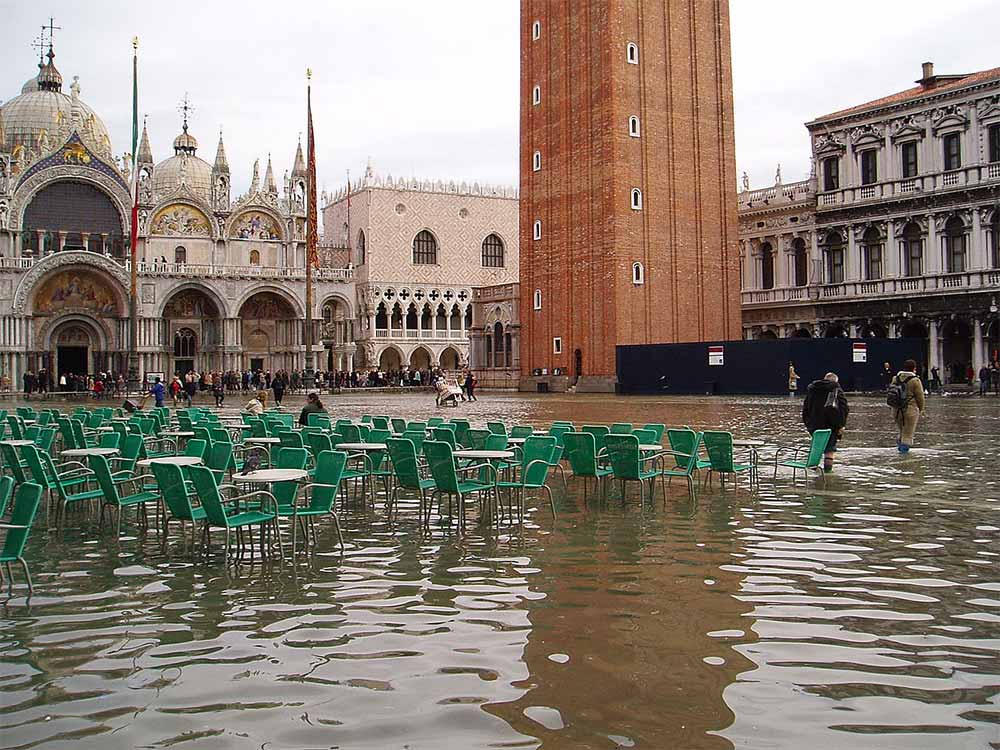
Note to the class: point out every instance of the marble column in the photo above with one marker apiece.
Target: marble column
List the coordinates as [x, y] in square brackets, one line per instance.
[934, 358]
[40, 233]
[978, 348]
[350, 362]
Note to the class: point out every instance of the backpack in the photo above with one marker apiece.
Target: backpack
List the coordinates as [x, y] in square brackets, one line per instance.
[895, 394]
[831, 409]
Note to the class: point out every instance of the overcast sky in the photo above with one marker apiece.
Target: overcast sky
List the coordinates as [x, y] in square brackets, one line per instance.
[430, 88]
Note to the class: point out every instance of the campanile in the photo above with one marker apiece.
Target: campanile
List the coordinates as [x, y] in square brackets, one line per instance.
[628, 228]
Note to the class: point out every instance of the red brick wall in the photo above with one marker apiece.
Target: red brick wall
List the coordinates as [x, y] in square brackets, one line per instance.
[685, 236]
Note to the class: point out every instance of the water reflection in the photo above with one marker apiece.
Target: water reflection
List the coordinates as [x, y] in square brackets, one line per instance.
[862, 614]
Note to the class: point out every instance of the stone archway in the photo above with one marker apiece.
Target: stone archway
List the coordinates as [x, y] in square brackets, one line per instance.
[420, 359]
[449, 359]
[76, 346]
[390, 360]
[956, 349]
[195, 310]
[271, 332]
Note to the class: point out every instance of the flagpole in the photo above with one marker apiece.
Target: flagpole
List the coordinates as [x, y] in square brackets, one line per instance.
[133, 352]
[309, 376]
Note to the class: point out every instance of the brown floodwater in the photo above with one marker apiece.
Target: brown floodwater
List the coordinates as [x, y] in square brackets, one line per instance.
[865, 614]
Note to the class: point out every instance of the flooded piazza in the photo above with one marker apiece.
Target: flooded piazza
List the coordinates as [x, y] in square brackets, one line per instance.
[865, 613]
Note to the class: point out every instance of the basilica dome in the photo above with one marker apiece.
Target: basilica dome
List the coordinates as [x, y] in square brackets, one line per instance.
[43, 115]
[183, 167]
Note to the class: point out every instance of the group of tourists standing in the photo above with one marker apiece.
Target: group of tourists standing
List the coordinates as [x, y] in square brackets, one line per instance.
[826, 408]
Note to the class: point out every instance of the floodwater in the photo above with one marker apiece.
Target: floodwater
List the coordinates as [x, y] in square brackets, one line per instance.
[865, 614]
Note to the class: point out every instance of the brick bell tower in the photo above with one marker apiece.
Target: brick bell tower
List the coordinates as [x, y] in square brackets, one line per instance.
[628, 228]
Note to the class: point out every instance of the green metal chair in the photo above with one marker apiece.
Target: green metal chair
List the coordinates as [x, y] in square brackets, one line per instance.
[67, 483]
[659, 429]
[321, 495]
[462, 427]
[813, 459]
[627, 465]
[220, 459]
[137, 498]
[6, 490]
[217, 514]
[684, 466]
[685, 442]
[398, 425]
[621, 428]
[536, 460]
[580, 450]
[446, 480]
[497, 428]
[476, 439]
[13, 463]
[176, 494]
[403, 455]
[719, 446]
[522, 431]
[22, 517]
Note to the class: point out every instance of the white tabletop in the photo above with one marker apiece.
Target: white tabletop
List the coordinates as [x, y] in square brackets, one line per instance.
[105, 428]
[483, 454]
[516, 440]
[362, 447]
[17, 443]
[650, 447]
[749, 443]
[172, 460]
[177, 433]
[80, 452]
[266, 476]
[262, 440]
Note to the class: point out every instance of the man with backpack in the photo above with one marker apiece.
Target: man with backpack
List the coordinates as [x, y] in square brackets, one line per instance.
[906, 397]
[825, 408]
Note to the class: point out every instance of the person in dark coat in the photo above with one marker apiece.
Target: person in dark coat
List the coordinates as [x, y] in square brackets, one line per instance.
[278, 386]
[825, 407]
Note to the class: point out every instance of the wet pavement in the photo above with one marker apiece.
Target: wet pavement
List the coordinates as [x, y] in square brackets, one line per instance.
[862, 614]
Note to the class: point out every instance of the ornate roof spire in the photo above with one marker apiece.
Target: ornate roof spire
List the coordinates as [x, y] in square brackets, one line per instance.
[299, 167]
[269, 185]
[145, 155]
[49, 78]
[255, 177]
[185, 143]
[221, 164]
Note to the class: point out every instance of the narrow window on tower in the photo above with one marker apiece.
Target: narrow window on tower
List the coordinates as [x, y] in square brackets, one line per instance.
[537, 231]
[632, 53]
[636, 199]
[538, 299]
[638, 274]
[557, 345]
[633, 126]
[536, 95]
[536, 30]
[536, 162]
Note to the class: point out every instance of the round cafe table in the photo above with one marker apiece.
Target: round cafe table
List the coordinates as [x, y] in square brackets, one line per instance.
[177, 434]
[17, 443]
[269, 476]
[485, 455]
[361, 447]
[172, 460]
[84, 452]
[262, 441]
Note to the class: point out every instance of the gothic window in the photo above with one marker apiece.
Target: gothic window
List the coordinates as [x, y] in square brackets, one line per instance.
[632, 53]
[255, 257]
[801, 262]
[536, 161]
[184, 343]
[831, 173]
[180, 255]
[908, 152]
[834, 259]
[536, 95]
[766, 266]
[952, 151]
[869, 167]
[913, 250]
[994, 138]
[425, 249]
[636, 199]
[633, 126]
[872, 251]
[498, 345]
[638, 274]
[493, 252]
[362, 247]
[537, 229]
[954, 244]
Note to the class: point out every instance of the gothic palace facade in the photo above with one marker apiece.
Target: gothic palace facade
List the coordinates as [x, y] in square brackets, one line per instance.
[895, 234]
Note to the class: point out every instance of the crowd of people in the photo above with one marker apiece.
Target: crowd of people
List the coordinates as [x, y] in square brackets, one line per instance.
[100, 385]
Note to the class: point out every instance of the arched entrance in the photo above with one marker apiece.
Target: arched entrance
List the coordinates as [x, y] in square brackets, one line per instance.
[75, 347]
[420, 359]
[390, 360]
[93, 224]
[802, 333]
[193, 330]
[956, 349]
[271, 332]
[767, 335]
[449, 359]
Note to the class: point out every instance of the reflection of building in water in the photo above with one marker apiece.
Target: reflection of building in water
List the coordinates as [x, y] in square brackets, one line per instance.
[896, 234]
[221, 280]
[632, 612]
